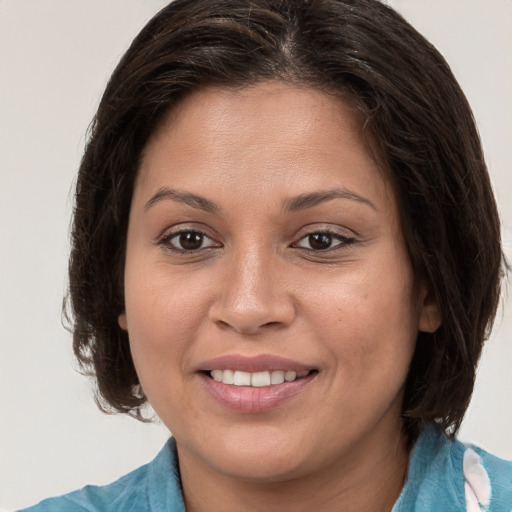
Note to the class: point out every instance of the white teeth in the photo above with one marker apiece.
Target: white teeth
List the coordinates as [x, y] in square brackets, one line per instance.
[260, 379]
[242, 379]
[217, 375]
[289, 376]
[256, 379]
[276, 377]
[228, 377]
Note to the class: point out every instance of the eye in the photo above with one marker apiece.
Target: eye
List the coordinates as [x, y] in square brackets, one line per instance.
[324, 241]
[188, 241]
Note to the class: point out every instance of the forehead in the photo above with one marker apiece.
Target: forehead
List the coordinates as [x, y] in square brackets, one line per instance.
[256, 113]
[270, 131]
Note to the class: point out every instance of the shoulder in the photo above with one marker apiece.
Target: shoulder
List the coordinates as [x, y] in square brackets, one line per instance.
[487, 480]
[149, 488]
[445, 474]
[128, 493]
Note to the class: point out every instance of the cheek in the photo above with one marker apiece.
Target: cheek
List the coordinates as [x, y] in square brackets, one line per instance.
[157, 299]
[163, 316]
[369, 316]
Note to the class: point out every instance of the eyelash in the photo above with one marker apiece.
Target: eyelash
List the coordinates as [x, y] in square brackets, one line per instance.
[343, 241]
[166, 241]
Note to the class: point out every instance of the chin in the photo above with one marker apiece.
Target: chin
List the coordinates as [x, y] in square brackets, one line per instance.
[263, 468]
[257, 454]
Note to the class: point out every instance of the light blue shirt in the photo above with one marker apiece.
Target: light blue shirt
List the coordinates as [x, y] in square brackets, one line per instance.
[441, 474]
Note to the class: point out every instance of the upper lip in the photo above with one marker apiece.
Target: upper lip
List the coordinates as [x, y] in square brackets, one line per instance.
[260, 363]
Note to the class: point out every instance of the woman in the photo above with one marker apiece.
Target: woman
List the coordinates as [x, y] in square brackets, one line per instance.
[281, 242]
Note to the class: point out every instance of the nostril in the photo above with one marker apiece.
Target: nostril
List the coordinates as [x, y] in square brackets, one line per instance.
[251, 317]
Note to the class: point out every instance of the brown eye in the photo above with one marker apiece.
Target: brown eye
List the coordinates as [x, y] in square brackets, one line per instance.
[188, 241]
[324, 241]
[320, 241]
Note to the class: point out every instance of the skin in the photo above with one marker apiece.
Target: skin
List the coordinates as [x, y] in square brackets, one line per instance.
[256, 285]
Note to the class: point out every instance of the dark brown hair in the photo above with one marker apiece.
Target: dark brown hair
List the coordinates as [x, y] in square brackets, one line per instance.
[412, 107]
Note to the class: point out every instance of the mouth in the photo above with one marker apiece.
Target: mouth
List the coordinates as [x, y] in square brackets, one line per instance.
[255, 384]
[257, 379]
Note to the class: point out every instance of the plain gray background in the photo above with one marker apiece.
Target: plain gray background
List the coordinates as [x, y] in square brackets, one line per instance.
[56, 56]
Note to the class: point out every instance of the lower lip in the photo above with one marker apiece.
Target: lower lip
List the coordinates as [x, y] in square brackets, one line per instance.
[250, 399]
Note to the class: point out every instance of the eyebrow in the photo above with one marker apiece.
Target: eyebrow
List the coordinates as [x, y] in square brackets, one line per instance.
[193, 200]
[300, 202]
[309, 200]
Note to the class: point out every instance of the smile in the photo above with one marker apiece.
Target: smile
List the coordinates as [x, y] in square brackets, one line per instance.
[256, 383]
[256, 379]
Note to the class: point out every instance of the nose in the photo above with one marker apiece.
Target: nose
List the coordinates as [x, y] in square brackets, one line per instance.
[253, 295]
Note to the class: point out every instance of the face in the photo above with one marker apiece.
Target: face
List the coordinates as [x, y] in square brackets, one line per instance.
[271, 306]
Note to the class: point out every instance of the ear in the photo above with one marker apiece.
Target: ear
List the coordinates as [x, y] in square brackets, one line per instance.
[430, 317]
[121, 320]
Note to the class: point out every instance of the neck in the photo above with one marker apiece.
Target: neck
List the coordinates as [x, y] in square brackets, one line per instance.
[369, 479]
